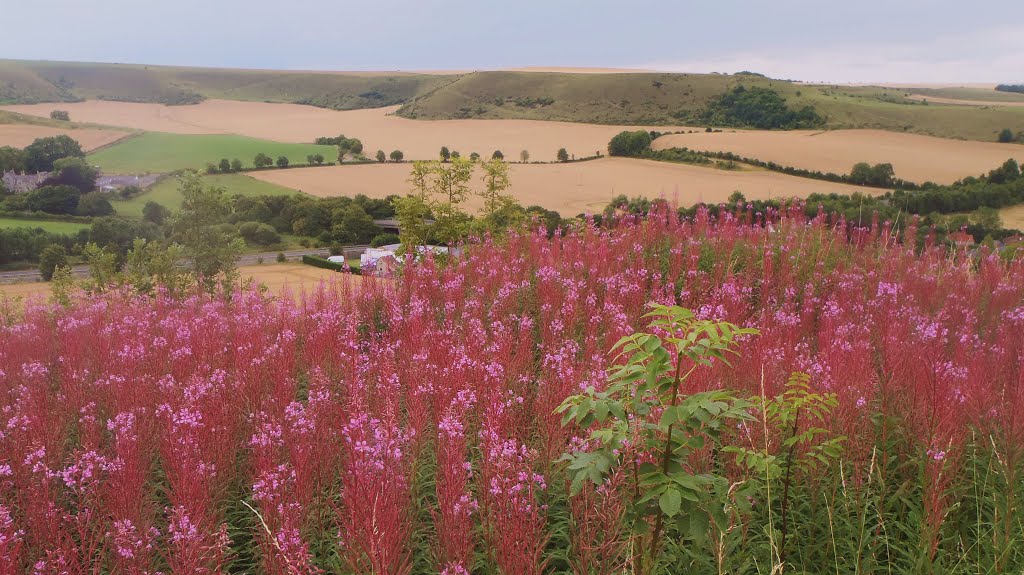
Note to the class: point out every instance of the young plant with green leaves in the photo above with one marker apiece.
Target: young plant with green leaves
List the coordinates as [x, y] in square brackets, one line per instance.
[646, 422]
[804, 448]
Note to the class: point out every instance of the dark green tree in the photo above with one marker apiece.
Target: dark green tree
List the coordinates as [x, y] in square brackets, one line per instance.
[262, 160]
[43, 152]
[213, 249]
[12, 159]
[52, 257]
[73, 172]
[397, 156]
[94, 204]
[630, 144]
[54, 199]
[445, 154]
[562, 155]
[156, 213]
[224, 165]
[236, 165]
[1005, 136]
[381, 156]
[282, 161]
[497, 155]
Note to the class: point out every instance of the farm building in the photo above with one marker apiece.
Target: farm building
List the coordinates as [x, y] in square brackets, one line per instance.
[22, 183]
[384, 260]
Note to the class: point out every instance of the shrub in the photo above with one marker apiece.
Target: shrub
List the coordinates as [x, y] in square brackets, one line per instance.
[319, 262]
[52, 257]
[384, 240]
[282, 161]
[259, 233]
[628, 143]
[61, 115]
[1005, 136]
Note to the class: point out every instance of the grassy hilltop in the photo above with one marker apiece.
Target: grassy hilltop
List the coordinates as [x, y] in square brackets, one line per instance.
[25, 82]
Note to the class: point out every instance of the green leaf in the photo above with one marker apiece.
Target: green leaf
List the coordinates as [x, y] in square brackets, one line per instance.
[670, 501]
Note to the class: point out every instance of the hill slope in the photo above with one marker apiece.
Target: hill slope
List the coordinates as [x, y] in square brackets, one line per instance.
[645, 98]
[24, 82]
[662, 98]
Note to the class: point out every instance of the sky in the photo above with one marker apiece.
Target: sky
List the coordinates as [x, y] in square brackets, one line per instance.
[934, 41]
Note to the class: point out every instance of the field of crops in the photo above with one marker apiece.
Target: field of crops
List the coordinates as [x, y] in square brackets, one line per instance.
[155, 152]
[410, 425]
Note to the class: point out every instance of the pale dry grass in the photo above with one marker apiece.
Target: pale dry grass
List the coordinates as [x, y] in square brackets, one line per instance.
[290, 279]
[572, 188]
[21, 135]
[377, 128]
[961, 102]
[915, 158]
[1013, 218]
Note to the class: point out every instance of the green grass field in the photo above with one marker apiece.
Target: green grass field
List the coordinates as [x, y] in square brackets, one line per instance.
[154, 152]
[165, 192]
[48, 225]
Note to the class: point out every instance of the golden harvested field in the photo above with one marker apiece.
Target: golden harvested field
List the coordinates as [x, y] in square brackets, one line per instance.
[1013, 218]
[279, 278]
[21, 135]
[915, 158]
[377, 128]
[571, 188]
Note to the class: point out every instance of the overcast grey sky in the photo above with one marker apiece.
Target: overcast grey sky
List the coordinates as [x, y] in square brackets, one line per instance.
[812, 40]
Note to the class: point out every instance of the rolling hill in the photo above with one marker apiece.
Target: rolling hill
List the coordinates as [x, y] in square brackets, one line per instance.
[642, 98]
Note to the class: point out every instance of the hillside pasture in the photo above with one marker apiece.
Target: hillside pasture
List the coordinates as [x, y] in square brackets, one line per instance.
[377, 128]
[572, 188]
[161, 152]
[165, 192]
[914, 157]
[54, 227]
[21, 135]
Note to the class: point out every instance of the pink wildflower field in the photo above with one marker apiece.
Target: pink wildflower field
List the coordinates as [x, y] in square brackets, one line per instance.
[408, 425]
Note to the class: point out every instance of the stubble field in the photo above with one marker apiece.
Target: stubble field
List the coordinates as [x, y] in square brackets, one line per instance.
[21, 135]
[377, 128]
[914, 157]
[571, 188]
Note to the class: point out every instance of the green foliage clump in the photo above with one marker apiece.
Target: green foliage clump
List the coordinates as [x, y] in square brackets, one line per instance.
[41, 154]
[630, 144]
[760, 108]
[384, 240]
[52, 257]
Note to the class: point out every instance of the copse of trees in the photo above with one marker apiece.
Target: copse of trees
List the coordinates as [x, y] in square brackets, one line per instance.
[629, 143]
[53, 199]
[61, 115]
[43, 152]
[1017, 88]
[879, 175]
[756, 107]
[262, 160]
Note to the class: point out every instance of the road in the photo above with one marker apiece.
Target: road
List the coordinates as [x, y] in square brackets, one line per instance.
[27, 276]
